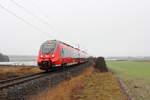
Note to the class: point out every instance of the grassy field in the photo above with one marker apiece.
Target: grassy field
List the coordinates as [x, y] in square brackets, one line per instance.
[136, 76]
[131, 69]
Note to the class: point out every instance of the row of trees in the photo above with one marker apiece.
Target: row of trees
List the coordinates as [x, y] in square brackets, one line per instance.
[4, 58]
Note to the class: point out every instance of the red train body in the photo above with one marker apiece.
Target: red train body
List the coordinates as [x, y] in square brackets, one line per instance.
[55, 53]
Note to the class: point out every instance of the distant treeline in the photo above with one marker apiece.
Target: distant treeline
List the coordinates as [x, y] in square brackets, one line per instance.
[4, 58]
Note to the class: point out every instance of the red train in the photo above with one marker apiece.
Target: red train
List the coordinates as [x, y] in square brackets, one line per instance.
[54, 53]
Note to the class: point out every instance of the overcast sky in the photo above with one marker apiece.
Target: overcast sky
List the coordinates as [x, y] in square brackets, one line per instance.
[100, 27]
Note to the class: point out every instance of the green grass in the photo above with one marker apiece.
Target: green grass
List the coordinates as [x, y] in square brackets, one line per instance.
[134, 74]
[130, 69]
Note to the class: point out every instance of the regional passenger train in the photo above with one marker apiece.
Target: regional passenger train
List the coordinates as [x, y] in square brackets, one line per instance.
[54, 53]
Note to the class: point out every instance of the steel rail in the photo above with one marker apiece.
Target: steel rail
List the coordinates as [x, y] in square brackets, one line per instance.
[18, 80]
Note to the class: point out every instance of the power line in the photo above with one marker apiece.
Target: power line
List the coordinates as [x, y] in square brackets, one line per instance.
[20, 18]
[31, 13]
[44, 15]
[37, 7]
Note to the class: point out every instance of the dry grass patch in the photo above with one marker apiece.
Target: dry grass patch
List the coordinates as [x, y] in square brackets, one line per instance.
[101, 86]
[65, 90]
[89, 85]
[10, 72]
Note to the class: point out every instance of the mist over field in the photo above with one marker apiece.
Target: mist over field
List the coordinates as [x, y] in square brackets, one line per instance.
[19, 60]
[14, 58]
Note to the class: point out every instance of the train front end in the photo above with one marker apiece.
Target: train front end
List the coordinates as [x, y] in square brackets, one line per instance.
[46, 54]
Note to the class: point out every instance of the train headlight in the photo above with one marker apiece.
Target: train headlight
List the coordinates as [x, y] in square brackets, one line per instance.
[52, 55]
[46, 56]
[41, 56]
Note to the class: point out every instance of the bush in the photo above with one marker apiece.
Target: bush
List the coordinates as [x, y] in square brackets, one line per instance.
[100, 64]
[4, 58]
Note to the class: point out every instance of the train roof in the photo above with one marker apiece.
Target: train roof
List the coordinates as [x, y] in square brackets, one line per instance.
[57, 41]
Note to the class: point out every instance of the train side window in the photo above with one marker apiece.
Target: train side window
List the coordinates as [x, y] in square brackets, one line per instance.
[62, 52]
[65, 52]
[68, 52]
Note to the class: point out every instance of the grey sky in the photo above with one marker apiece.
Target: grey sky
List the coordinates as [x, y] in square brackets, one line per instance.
[101, 27]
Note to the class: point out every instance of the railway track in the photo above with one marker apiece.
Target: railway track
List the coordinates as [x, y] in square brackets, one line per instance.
[20, 88]
[18, 80]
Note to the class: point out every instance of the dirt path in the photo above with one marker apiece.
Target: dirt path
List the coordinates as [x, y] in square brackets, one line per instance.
[90, 85]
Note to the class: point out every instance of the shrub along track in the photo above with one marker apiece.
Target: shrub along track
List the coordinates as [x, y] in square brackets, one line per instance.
[23, 87]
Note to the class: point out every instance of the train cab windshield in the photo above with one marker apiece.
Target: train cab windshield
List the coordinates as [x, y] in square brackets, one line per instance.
[48, 48]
